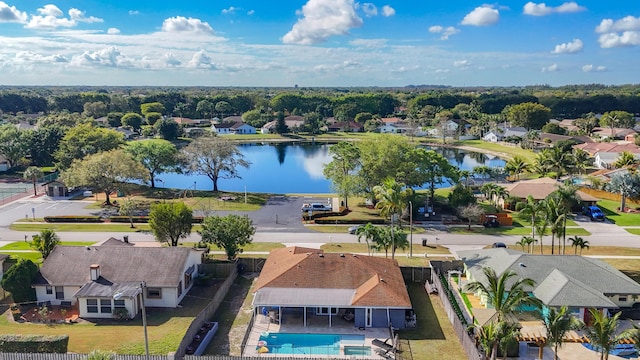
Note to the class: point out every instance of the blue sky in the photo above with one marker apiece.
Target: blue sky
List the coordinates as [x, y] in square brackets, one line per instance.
[318, 43]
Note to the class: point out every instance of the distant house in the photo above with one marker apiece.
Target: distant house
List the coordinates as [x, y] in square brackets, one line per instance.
[187, 121]
[194, 132]
[389, 128]
[615, 133]
[595, 147]
[606, 159]
[91, 276]
[233, 119]
[222, 128]
[128, 134]
[24, 125]
[504, 132]
[539, 189]
[492, 136]
[243, 129]
[312, 283]
[294, 123]
[578, 282]
[346, 126]
[238, 128]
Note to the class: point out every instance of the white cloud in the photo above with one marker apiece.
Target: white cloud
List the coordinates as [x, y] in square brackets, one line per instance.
[51, 18]
[542, 9]
[482, 16]
[369, 9]
[251, 12]
[369, 43]
[201, 60]
[321, 20]
[230, 10]
[388, 11]
[461, 63]
[30, 57]
[113, 31]
[627, 38]
[11, 14]
[592, 68]
[107, 57]
[171, 60]
[134, 12]
[182, 24]
[550, 68]
[627, 23]
[569, 48]
[444, 31]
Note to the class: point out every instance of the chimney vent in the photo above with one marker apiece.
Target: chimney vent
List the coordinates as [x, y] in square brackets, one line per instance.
[95, 272]
[321, 255]
[125, 238]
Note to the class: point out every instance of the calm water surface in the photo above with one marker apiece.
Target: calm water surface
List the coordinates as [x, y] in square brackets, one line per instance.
[295, 168]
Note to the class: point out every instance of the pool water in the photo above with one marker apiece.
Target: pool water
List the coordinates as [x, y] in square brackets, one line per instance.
[312, 344]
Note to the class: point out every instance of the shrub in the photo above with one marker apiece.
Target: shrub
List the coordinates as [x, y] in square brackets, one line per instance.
[101, 355]
[73, 219]
[121, 314]
[34, 343]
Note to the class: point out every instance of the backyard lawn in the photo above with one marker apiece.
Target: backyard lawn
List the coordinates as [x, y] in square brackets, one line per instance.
[497, 148]
[621, 219]
[433, 338]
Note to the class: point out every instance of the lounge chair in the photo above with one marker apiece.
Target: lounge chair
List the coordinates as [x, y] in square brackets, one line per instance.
[349, 316]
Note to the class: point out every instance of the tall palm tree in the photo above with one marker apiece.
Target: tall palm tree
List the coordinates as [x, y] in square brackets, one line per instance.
[508, 333]
[567, 197]
[534, 209]
[602, 334]
[578, 242]
[392, 200]
[626, 158]
[581, 161]
[516, 166]
[557, 324]
[526, 242]
[504, 293]
[488, 338]
[33, 173]
[554, 217]
[369, 233]
[390, 238]
[466, 175]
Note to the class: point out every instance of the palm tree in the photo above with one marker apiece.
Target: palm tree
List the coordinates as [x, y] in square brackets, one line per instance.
[522, 242]
[627, 185]
[369, 233]
[45, 241]
[556, 159]
[526, 242]
[581, 160]
[390, 238]
[602, 333]
[503, 293]
[557, 324]
[33, 173]
[578, 242]
[508, 333]
[567, 197]
[534, 209]
[482, 170]
[488, 338]
[466, 175]
[516, 166]
[626, 159]
[554, 217]
[392, 200]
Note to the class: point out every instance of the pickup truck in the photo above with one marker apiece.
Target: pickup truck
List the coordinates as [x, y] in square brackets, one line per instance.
[316, 207]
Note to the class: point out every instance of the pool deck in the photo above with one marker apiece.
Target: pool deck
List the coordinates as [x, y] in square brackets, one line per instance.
[316, 324]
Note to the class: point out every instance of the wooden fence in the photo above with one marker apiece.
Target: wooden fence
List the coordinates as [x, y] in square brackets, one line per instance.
[468, 343]
[415, 274]
[601, 194]
[205, 314]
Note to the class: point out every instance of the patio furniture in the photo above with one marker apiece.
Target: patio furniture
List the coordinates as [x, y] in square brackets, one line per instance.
[349, 316]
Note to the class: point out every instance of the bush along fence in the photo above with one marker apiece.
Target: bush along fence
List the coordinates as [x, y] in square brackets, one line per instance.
[456, 318]
[36, 356]
[34, 343]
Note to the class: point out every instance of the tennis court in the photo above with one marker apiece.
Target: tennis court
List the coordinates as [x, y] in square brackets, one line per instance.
[14, 191]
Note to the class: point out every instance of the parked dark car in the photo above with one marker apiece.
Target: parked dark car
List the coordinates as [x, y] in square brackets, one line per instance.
[499, 245]
[354, 229]
[594, 213]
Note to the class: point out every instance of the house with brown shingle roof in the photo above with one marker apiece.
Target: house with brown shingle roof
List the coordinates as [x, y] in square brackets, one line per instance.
[316, 283]
[540, 188]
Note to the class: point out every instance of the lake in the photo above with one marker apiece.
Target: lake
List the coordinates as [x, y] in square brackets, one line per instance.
[295, 168]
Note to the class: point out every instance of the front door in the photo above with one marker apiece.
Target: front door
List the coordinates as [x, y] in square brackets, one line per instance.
[368, 317]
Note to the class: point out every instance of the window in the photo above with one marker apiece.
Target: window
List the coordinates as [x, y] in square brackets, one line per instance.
[49, 290]
[59, 293]
[180, 288]
[118, 304]
[188, 276]
[105, 306]
[154, 293]
[622, 298]
[92, 306]
[325, 311]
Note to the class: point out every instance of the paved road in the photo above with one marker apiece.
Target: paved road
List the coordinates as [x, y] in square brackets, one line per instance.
[279, 221]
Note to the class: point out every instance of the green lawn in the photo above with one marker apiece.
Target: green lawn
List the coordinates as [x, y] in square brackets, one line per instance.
[621, 219]
[21, 245]
[511, 231]
[32, 255]
[433, 338]
[506, 150]
[634, 231]
[63, 227]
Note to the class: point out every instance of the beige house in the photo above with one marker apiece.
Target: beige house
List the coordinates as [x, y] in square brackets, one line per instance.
[539, 189]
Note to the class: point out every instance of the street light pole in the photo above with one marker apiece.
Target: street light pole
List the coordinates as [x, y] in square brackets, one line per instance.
[410, 229]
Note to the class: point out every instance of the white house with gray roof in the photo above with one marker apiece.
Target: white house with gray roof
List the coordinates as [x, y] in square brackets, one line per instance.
[575, 281]
[92, 276]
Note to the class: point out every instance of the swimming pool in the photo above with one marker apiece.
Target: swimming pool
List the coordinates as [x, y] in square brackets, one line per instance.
[312, 344]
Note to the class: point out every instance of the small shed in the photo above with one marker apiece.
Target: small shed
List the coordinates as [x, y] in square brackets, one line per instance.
[56, 188]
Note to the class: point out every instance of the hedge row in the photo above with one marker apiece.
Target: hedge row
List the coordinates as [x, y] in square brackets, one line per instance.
[34, 344]
[73, 219]
[144, 219]
[348, 221]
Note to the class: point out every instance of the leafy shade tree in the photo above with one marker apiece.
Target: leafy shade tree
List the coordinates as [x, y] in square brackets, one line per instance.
[586, 124]
[516, 166]
[281, 125]
[617, 119]
[627, 185]
[557, 324]
[504, 293]
[342, 169]
[431, 168]
[18, 279]
[216, 158]
[602, 333]
[13, 144]
[153, 117]
[132, 120]
[230, 233]
[626, 158]
[529, 115]
[84, 140]
[384, 157]
[205, 107]
[170, 222]
[579, 242]
[128, 208]
[471, 212]
[461, 196]
[153, 107]
[168, 129]
[33, 173]
[45, 241]
[157, 156]
[105, 172]
[553, 128]
[223, 107]
[370, 233]
[42, 144]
